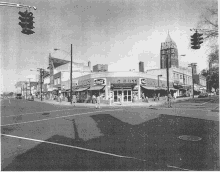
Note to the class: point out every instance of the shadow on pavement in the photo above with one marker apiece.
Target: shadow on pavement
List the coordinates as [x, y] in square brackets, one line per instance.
[155, 141]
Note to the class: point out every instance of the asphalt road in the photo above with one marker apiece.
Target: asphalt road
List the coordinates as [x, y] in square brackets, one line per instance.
[45, 137]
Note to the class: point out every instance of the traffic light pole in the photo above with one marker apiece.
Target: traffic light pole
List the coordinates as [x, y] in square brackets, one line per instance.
[192, 84]
[30, 84]
[26, 89]
[41, 84]
[192, 65]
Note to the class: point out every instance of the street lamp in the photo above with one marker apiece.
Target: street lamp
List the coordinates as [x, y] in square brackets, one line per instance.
[158, 79]
[71, 66]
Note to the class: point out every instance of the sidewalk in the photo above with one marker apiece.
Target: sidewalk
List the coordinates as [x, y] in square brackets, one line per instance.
[150, 103]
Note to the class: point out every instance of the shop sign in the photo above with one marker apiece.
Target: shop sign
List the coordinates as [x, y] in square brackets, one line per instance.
[125, 80]
[100, 81]
[143, 81]
[136, 87]
[84, 82]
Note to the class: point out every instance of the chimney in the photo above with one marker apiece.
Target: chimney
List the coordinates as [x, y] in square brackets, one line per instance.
[141, 66]
[89, 63]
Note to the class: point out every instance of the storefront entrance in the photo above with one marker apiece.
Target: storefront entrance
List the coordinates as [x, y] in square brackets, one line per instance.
[126, 95]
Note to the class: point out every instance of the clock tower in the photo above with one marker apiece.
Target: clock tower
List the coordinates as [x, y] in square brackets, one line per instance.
[169, 50]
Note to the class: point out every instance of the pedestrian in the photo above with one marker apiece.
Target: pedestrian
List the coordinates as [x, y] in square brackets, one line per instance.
[158, 96]
[143, 97]
[154, 96]
[97, 105]
[93, 99]
[146, 98]
[120, 99]
[174, 95]
[169, 97]
[74, 100]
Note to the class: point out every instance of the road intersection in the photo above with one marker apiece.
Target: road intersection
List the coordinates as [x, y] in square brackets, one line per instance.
[50, 137]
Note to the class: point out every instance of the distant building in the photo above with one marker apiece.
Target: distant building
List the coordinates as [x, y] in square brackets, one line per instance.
[141, 66]
[100, 68]
[169, 49]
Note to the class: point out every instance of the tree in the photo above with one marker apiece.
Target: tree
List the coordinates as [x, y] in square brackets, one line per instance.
[213, 58]
[208, 22]
[212, 77]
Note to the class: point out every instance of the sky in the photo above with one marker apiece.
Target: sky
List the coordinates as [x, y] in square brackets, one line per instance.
[119, 33]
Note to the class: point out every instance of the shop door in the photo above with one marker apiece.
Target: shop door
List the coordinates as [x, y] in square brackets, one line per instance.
[127, 95]
[116, 95]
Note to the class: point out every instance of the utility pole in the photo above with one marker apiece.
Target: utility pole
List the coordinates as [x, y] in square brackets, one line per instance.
[30, 84]
[71, 66]
[192, 65]
[168, 50]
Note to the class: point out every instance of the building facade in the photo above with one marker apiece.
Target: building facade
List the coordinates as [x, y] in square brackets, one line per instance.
[182, 79]
[129, 85]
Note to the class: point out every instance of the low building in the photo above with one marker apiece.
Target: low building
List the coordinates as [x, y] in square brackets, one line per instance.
[129, 84]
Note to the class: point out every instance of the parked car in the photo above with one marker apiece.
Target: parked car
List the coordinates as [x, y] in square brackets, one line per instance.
[183, 95]
[31, 98]
[18, 96]
[201, 95]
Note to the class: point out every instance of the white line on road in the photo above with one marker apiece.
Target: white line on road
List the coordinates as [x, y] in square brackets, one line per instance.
[43, 112]
[161, 108]
[178, 167]
[205, 102]
[74, 147]
[57, 117]
[9, 101]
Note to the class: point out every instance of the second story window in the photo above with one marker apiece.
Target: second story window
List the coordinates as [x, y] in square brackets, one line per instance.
[181, 77]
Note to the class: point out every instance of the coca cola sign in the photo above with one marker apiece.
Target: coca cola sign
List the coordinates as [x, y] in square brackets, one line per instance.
[100, 81]
[143, 81]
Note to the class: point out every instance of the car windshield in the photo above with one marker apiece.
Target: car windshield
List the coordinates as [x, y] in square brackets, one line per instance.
[18, 94]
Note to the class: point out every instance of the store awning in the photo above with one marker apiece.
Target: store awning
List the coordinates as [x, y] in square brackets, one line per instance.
[81, 89]
[149, 88]
[161, 88]
[97, 87]
[172, 89]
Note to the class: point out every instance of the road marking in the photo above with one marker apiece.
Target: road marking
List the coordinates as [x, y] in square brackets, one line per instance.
[9, 101]
[56, 117]
[74, 147]
[178, 168]
[205, 102]
[160, 108]
[42, 112]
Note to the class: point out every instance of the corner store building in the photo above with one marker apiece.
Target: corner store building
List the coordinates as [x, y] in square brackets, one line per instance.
[126, 83]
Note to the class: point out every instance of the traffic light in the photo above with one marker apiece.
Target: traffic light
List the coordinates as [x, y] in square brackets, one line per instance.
[194, 41]
[26, 22]
[200, 39]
